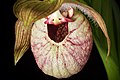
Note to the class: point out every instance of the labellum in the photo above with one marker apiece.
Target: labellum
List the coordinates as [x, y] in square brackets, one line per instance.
[62, 41]
[61, 46]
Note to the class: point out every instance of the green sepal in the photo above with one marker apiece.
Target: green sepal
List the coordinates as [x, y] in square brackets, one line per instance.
[30, 11]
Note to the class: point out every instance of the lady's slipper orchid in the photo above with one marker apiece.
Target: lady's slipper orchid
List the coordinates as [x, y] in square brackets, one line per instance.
[58, 32]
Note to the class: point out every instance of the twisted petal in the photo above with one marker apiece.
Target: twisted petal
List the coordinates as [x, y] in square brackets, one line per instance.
[22, 40]
[97, 17]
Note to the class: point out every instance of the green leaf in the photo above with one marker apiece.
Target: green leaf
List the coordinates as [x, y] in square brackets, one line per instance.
[111, 15]
[116, 19]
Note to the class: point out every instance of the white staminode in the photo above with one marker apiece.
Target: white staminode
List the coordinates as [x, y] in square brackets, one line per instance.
[57, 18]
